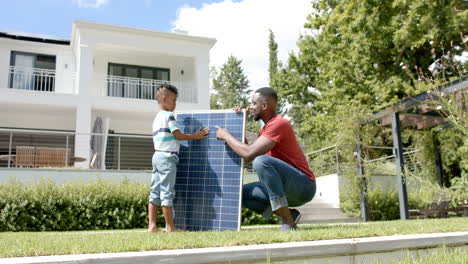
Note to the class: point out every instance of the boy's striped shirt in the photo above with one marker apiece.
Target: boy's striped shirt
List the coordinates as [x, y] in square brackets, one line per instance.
[163, 125]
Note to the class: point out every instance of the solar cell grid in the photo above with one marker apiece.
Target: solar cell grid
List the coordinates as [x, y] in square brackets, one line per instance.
[209, 175]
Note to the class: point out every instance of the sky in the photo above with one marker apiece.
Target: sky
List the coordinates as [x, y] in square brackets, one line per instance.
[239, 26]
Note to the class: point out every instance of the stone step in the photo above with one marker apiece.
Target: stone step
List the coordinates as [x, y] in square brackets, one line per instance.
[329, 220]
[318, 205]
[320, 211]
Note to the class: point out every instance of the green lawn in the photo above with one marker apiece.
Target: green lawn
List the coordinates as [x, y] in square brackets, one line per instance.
[441, 255]
[56, 243]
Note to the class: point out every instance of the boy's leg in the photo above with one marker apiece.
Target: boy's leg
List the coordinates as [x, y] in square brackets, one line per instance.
[168, 177]
[154, 196]
[152, 216]
[167, 211]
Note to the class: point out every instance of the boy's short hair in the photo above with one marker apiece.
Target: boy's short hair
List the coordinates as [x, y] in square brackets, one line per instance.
[164, 88]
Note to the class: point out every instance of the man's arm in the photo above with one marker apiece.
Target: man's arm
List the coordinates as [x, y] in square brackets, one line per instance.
[249, 152]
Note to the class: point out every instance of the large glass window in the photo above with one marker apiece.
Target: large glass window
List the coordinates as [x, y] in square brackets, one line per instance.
[132, 81]
[30, 71]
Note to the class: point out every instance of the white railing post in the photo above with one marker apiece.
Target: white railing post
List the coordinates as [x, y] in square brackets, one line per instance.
[118, 154]
[9, 149]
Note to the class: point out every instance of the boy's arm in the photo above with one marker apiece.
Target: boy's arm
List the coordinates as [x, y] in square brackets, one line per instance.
[200, 134]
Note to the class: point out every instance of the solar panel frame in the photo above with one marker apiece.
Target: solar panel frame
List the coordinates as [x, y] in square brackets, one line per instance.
[219, 160]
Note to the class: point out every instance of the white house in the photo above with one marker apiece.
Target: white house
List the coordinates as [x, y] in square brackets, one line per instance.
[103, 71]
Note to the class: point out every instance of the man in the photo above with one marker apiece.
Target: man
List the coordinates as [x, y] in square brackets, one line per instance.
[285, 177]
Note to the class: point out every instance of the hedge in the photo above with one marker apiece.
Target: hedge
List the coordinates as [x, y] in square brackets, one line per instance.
[98, 205]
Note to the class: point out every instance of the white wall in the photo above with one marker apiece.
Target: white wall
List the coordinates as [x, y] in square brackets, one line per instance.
[25, 116]
[4, 65]
[328, 191]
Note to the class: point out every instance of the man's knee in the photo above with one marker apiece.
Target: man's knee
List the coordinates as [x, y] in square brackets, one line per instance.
[260, 162]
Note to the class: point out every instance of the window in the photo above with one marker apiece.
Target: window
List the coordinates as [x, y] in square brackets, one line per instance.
[30, 71]
[132, 81]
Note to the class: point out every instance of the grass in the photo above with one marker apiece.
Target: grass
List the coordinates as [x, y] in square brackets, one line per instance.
[57, 243]
[438, 256]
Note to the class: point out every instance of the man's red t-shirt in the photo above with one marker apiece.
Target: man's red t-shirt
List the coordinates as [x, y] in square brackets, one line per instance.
[286, 149]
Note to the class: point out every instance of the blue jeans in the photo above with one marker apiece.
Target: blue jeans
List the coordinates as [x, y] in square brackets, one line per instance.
[163, 178]
[280, 185]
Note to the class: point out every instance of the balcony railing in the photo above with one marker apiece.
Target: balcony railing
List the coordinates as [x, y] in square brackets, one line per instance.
[43, 80]
[139, 88]
[31, 79]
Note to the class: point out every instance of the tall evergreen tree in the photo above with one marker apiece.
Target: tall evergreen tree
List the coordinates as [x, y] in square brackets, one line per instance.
[274, 65]
[273, 58]
[231, 86]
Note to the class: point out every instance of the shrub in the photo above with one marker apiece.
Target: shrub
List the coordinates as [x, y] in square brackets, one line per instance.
[46, 206]
[97, 205]
[384, 204]
[249, 217]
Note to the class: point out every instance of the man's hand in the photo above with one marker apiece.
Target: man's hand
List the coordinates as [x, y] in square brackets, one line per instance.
[201, 133]
[238, 108]
[221, 133]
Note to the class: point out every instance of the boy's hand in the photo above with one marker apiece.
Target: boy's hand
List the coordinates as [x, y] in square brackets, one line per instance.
[201, 133]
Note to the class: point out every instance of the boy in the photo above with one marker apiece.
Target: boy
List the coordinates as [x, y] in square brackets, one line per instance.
[166, 138]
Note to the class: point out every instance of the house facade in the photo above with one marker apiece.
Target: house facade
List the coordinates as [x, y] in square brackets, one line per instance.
[103, 71]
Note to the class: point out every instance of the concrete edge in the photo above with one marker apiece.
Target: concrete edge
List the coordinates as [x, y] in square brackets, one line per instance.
[314, 249]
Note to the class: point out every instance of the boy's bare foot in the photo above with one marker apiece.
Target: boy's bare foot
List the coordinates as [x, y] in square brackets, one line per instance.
[153, 229]
[175, 230]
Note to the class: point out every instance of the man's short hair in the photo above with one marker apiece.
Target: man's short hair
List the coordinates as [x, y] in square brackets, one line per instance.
[268, 93]
[162, 88]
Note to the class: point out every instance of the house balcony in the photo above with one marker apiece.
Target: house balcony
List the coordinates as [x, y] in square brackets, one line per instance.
[41, 80]
[140, 88]
[29, 87]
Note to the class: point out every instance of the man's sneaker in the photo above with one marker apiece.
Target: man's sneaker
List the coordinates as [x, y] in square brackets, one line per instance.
[296, 215]
[286, 227]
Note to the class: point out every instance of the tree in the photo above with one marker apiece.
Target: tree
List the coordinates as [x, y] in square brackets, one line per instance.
[231, 89]
[359, 52]
[361, 55]
[273, 58]
[273, 67]
[231, 86]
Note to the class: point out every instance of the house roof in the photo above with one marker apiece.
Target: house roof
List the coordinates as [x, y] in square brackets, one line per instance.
[137, 31]
[26, 36]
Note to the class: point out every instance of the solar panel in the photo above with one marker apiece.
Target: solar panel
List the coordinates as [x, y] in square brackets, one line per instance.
[209, 175]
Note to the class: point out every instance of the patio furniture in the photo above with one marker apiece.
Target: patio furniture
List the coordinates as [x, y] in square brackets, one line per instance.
[439, 209]
[37, 157]
[25, 156]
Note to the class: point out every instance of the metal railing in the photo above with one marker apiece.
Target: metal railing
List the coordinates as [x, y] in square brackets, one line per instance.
[43, 80]
[31, 79]
[23, 148]
[139, 88]
[335, 159]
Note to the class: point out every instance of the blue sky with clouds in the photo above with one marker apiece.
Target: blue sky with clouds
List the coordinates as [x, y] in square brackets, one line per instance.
[241, 27]
[54, 17]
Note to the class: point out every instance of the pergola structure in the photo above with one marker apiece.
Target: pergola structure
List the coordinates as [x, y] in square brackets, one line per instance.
[414, 112]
